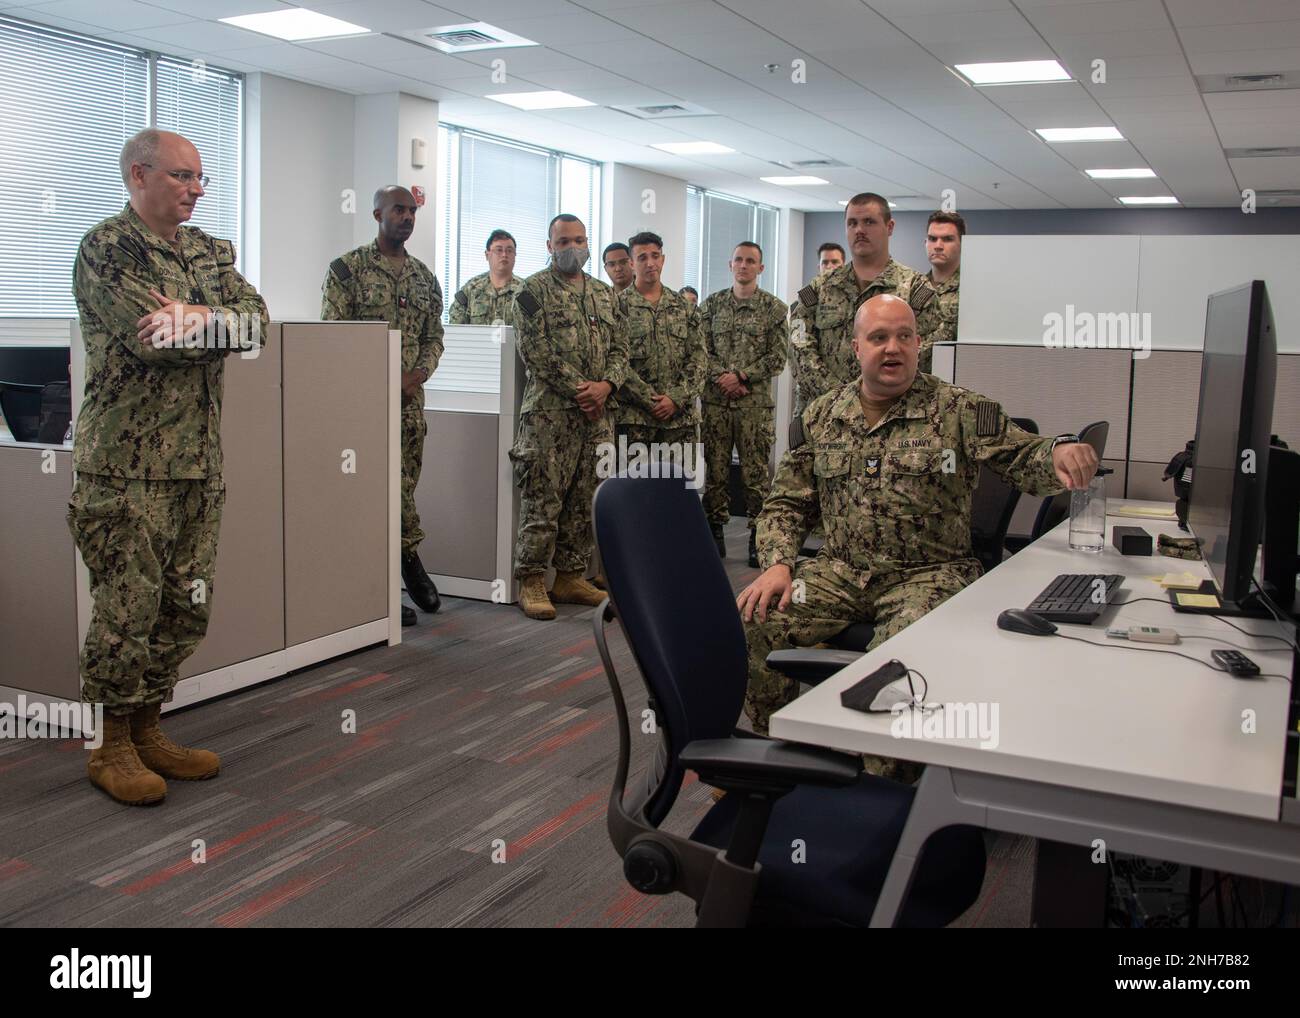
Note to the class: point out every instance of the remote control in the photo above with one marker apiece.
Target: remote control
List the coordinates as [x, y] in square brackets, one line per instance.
[1236, 662]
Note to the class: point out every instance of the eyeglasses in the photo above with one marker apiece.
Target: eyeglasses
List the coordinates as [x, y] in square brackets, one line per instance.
[186, 177]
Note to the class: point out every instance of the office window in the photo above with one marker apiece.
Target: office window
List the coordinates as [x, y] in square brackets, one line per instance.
[715, 224]
[70, 102]
[487, 183]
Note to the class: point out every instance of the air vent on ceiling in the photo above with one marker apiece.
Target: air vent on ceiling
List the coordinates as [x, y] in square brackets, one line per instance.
[1278, 197]
[466, 38]
[808, 164]
[1262, 152]
[664, 111]
[1264, 81]
[459, 40]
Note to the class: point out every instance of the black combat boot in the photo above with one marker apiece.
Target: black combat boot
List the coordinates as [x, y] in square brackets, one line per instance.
[718, 539]
[418, 584]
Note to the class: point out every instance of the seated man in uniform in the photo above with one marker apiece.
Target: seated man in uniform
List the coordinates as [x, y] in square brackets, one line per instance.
[889, 466]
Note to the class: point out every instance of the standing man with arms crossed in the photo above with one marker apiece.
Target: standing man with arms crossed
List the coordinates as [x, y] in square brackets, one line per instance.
[381, 281]
[486, 299]
[573, 342]
[160, 306]
[666, 357]
[745, 330]
[821, 321]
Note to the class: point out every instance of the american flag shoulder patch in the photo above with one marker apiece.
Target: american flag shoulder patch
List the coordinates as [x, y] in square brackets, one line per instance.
[987, 415]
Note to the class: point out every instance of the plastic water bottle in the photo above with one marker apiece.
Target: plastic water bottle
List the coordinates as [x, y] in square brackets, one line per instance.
[1088, 514]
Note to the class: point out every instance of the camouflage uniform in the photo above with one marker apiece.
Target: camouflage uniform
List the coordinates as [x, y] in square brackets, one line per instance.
[896, 503]
[947, 300]
[567, 333]
[478, 302]
[146, 507]
[821, 324]
[749, 337]
[364, 285]
[665, 355]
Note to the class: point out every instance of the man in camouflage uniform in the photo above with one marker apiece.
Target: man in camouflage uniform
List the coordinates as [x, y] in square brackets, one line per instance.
[889, 465]
[666, 358]
[690, 295]
[573, 342]
[830, 256]
[943, 236]
[382, 281]
[745, 329]
[486, 299]
[821, 321]
[617, 259]
[160, 305]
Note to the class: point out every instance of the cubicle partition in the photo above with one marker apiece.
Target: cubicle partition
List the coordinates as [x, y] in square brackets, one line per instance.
[467, 499]
[307, 564]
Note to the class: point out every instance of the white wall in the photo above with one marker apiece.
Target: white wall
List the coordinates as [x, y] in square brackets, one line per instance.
[299, 145]
[634, 200]
[385, 125]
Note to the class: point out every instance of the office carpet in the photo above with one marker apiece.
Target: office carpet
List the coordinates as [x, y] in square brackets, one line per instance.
[471, 792]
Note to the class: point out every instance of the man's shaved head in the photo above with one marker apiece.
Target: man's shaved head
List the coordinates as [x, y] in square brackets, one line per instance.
[391, 194]
[886, 344]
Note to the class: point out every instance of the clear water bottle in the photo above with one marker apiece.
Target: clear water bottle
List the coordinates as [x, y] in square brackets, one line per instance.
[1088, 514]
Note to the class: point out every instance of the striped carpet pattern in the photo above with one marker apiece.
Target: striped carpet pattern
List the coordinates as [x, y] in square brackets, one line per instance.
[472, 792]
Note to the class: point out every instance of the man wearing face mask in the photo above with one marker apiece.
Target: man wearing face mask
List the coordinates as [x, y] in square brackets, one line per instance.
[573, 342]
[382, 281]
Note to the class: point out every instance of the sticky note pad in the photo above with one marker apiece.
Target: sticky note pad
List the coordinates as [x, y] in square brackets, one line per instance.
[1197, 600]
[1184, 580]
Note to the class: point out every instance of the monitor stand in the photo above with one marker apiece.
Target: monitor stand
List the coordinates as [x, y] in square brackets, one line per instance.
[1205, 600]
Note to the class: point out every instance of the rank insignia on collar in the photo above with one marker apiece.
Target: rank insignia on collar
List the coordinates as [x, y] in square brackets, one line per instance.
[592, 319]
[873, 467]
[401, 302]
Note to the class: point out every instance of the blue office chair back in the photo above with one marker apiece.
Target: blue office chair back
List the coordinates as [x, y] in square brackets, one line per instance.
[674, 601]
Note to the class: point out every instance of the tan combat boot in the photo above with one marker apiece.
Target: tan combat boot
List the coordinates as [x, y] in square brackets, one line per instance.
[571, 588]
[159, 753]
[533, 599]
[116, 768]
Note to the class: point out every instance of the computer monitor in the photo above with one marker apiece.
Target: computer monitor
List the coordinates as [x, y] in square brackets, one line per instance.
[34, 365]
[1233, 423]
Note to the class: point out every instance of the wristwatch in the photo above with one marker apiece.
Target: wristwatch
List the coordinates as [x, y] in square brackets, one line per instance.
[1063, 440]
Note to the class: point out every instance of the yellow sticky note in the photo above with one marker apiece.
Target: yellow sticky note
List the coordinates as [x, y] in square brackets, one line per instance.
[1198, 600]
[1184, 580]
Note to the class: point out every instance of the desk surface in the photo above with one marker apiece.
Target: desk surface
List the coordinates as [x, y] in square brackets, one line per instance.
[1121, 721]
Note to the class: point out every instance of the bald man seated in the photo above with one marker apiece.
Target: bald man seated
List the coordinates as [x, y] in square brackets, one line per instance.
[889, 466]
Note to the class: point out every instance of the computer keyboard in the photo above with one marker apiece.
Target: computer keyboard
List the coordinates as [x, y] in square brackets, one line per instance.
[1075, 597]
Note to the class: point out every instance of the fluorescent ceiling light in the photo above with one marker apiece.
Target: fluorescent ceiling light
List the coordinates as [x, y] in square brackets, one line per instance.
[296, 24]
[693, 148]
[845, 203]
[540, 100]
[1015, 72]
[794, 181]
[1079, 134]
[1149, 199]
[1133, 173]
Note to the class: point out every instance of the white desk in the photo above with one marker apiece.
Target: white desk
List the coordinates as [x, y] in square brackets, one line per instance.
[1144, 753]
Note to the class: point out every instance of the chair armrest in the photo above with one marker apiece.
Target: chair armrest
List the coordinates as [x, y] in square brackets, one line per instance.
[810, 664]
[767, 764]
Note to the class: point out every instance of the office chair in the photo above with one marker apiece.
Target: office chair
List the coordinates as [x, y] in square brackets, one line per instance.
[671, 596]
[20, 404]
[1054, 508]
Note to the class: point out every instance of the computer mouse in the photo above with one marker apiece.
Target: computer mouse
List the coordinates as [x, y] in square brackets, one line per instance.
[1020, 620]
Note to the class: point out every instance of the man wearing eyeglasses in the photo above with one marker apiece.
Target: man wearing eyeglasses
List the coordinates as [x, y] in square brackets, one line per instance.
[383, 281]
[160, 306]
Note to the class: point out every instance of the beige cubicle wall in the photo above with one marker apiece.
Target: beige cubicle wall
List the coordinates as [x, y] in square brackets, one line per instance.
[1166, 387]
[307, 559]
[38, 577]
[467, 499]
[1060, 390]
